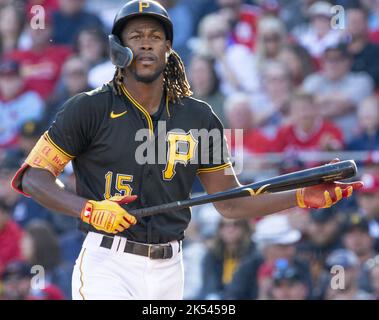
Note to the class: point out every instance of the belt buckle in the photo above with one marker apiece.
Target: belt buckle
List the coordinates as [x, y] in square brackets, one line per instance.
[165, 252]
[151, 251]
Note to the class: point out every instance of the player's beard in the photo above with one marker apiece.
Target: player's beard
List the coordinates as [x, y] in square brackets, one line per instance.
[148, 78]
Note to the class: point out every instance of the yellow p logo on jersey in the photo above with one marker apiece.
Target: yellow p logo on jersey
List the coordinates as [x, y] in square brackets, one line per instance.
[142, 5]
[175, 155]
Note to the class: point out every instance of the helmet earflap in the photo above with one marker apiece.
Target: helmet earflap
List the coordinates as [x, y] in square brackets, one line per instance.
[120, 56]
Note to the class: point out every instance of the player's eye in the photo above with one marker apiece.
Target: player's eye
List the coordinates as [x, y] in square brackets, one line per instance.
[135, 37]
[156, 37]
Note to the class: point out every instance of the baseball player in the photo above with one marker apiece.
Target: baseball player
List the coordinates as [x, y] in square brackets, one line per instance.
[123, 258]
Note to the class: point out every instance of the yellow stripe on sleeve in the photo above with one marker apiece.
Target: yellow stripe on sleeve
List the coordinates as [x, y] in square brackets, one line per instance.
[57, 147]
[214, 169]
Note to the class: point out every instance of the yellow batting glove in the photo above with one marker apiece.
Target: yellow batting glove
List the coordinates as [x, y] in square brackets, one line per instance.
[325, 195]
[108, 215]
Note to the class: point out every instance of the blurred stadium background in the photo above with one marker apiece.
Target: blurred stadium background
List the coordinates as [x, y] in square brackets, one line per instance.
[304, 89]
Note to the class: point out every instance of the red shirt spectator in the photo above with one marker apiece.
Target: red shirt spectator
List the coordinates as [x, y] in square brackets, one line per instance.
[307, 130]
[324, 136]
[10, 237]
[41, 70]
[241, 119]
[41, 65]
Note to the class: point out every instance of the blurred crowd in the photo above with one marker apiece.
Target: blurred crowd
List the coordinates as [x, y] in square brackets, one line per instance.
[293, 75]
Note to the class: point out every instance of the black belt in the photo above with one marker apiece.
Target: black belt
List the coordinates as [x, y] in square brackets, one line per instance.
[153, 251]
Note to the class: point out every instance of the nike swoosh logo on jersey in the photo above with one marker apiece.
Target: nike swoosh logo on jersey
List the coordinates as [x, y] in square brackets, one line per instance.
[117, 115]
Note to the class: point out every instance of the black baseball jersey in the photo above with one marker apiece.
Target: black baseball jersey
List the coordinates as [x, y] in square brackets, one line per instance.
[119, 149]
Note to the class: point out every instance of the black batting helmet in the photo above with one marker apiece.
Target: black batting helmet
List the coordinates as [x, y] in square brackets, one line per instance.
[122, 56]
[143, 8]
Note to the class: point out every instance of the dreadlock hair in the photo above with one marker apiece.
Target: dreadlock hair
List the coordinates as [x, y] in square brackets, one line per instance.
[175, 79]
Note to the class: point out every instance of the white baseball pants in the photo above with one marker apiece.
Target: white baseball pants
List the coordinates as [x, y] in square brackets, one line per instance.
[111, 274]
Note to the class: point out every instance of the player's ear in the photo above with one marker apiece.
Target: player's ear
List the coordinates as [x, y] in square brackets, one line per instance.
[168, 47]
[168, 53]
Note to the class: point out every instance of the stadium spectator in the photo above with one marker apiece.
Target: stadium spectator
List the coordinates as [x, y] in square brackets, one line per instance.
[367, 138]
[40, 246]
[307, 129]
[240, 115]
[17, 280]
[298, 61]
[349, 289]
[231, 244]
[338, 90]
[368, 200]
[194, 249]
[10, 237]
[41, 64]
[321, 238]
[271, 103]
[91, 46]
[205, 83]
[275, 239]
[373, 270]
[17, 104]
[289, 283]
[70, 19]
[213, 32]
[30, 132]
[364, 52]
[11, 26]
[74, 81]
[9, 163]
[271, 39]
[243, 18]
[356, 237]
[319, 34]
[202, 230]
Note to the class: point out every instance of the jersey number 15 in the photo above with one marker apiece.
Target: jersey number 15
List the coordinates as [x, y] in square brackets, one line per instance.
[121, 185]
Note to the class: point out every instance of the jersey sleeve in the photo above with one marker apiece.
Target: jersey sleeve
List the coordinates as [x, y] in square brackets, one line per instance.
[73, 128]
[214, 153]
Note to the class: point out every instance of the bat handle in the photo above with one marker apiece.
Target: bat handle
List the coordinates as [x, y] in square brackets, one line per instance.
[145, 212]
[183, 204]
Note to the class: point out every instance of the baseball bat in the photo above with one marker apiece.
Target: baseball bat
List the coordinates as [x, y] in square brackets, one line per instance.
[295, 180]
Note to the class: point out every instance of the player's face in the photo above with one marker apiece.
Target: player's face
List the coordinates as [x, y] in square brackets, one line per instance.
[146, 38]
